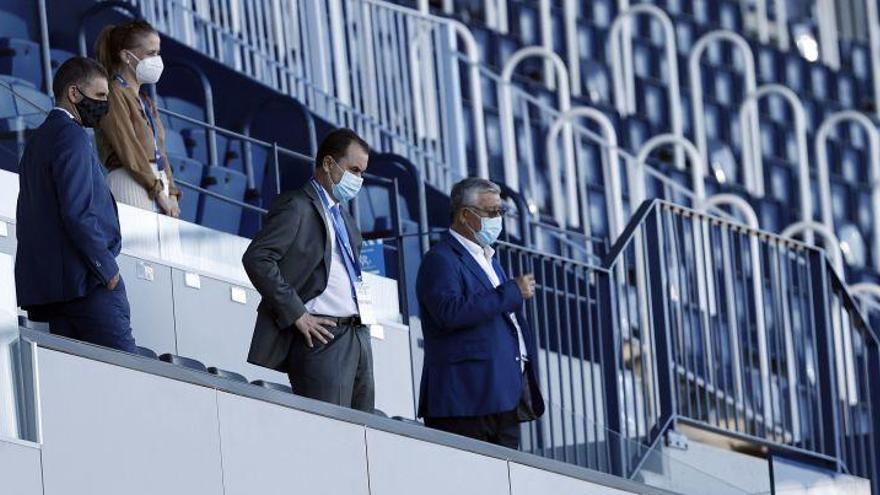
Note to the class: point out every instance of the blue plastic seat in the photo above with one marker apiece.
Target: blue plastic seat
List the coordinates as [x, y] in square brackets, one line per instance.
[229, 375]
[182, 361]
[22, 105]
[183, 107]
[216, 213]
[21, 58]
[146, 352]
[191, 171]
[273, 386]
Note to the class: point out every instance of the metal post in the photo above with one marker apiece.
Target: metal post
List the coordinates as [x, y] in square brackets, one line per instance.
[874, 44]
[656, 263]
[827, 371]
[828, 41]
[611, 368]
[276, 168]
[45, 55]
[572, 49]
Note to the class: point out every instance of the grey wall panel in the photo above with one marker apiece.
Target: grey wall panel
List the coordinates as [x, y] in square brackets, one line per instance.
[401, 465]
[526, 480]
[140, 232]
[270, 449]
[213, 328]
[152, 308]
[202, 249]
[8, 193]
[7, 237]
[391, 367]
[111, 430]
[20, 471]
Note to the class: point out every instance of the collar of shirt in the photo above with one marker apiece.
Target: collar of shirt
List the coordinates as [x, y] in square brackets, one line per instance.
[475, 249]
[65, 111]
[319, 188]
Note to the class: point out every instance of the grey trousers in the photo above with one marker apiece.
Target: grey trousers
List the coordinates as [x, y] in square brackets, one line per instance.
[340, 372]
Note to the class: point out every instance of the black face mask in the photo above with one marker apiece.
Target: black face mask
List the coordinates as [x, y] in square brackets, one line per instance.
[91, 111]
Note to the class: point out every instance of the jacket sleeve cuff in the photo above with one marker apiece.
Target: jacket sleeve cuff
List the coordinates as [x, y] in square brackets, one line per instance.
[105, 267]
[288, 315]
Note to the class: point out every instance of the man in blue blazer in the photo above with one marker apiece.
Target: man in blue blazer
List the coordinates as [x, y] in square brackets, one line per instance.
[67, 225]
[479, 379]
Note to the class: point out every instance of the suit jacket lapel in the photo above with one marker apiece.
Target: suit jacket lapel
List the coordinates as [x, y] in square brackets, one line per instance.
[469, 260]
[319, 210]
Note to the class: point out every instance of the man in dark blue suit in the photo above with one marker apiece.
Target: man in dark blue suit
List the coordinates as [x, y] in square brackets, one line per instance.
[479, 379]
[68, 226]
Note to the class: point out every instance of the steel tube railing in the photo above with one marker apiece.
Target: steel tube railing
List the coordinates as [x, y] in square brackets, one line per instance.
[752, 153]
[624, 79]
[575, 187]
[505, 103]
[696, 87]
[824, 176]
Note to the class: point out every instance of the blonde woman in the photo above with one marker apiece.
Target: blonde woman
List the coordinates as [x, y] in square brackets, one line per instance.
[131, 138]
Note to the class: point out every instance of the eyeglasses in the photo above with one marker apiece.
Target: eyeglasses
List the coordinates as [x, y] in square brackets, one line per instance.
[499, 212]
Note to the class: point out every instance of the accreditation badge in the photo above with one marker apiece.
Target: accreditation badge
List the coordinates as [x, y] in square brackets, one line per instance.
[365, 304]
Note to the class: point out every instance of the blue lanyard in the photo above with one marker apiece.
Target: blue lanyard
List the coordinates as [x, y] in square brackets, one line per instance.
[157, 154]
[352, 264]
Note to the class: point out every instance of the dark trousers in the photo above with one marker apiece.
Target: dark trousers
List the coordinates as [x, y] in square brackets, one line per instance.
[500, 428]
[340, 372]
[103, 317]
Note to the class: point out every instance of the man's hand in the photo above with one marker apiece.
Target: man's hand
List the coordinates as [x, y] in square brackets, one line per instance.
[111, 285]
[526, 284]
[313, 327]
[168, 205]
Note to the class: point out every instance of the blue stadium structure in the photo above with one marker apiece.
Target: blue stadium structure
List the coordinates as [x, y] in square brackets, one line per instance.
[694, 183]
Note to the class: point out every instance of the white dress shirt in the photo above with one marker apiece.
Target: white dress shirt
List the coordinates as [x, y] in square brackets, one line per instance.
[337, 299]
[483, 257]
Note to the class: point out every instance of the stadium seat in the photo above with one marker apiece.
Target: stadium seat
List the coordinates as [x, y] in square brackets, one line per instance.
[230, 375]
[272, 386]
[146, 352]
[190, 171]
[21, 58]
[184, 362]
[215, 213]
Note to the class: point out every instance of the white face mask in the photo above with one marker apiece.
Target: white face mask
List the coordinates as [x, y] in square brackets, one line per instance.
[149, 69]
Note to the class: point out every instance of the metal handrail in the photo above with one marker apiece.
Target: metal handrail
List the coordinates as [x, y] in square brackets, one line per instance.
[575, 189]
[821, 141]
[696, 84]
[505, 102]
[636, 178]
[624, 78]
[472, 52]
[752, 152]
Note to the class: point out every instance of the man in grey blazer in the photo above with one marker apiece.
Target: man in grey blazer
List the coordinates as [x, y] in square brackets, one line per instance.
[304, 263]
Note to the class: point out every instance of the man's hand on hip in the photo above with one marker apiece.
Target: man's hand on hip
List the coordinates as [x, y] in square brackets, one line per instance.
[526, 284]
[313, 327]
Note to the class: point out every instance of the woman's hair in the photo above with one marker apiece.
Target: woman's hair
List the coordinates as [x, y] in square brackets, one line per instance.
[114, 39]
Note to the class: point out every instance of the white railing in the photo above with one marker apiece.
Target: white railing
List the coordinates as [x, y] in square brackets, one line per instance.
[389, 72]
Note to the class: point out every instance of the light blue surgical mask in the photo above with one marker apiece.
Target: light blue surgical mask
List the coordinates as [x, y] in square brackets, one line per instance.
[490, 230]
[348, 186]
